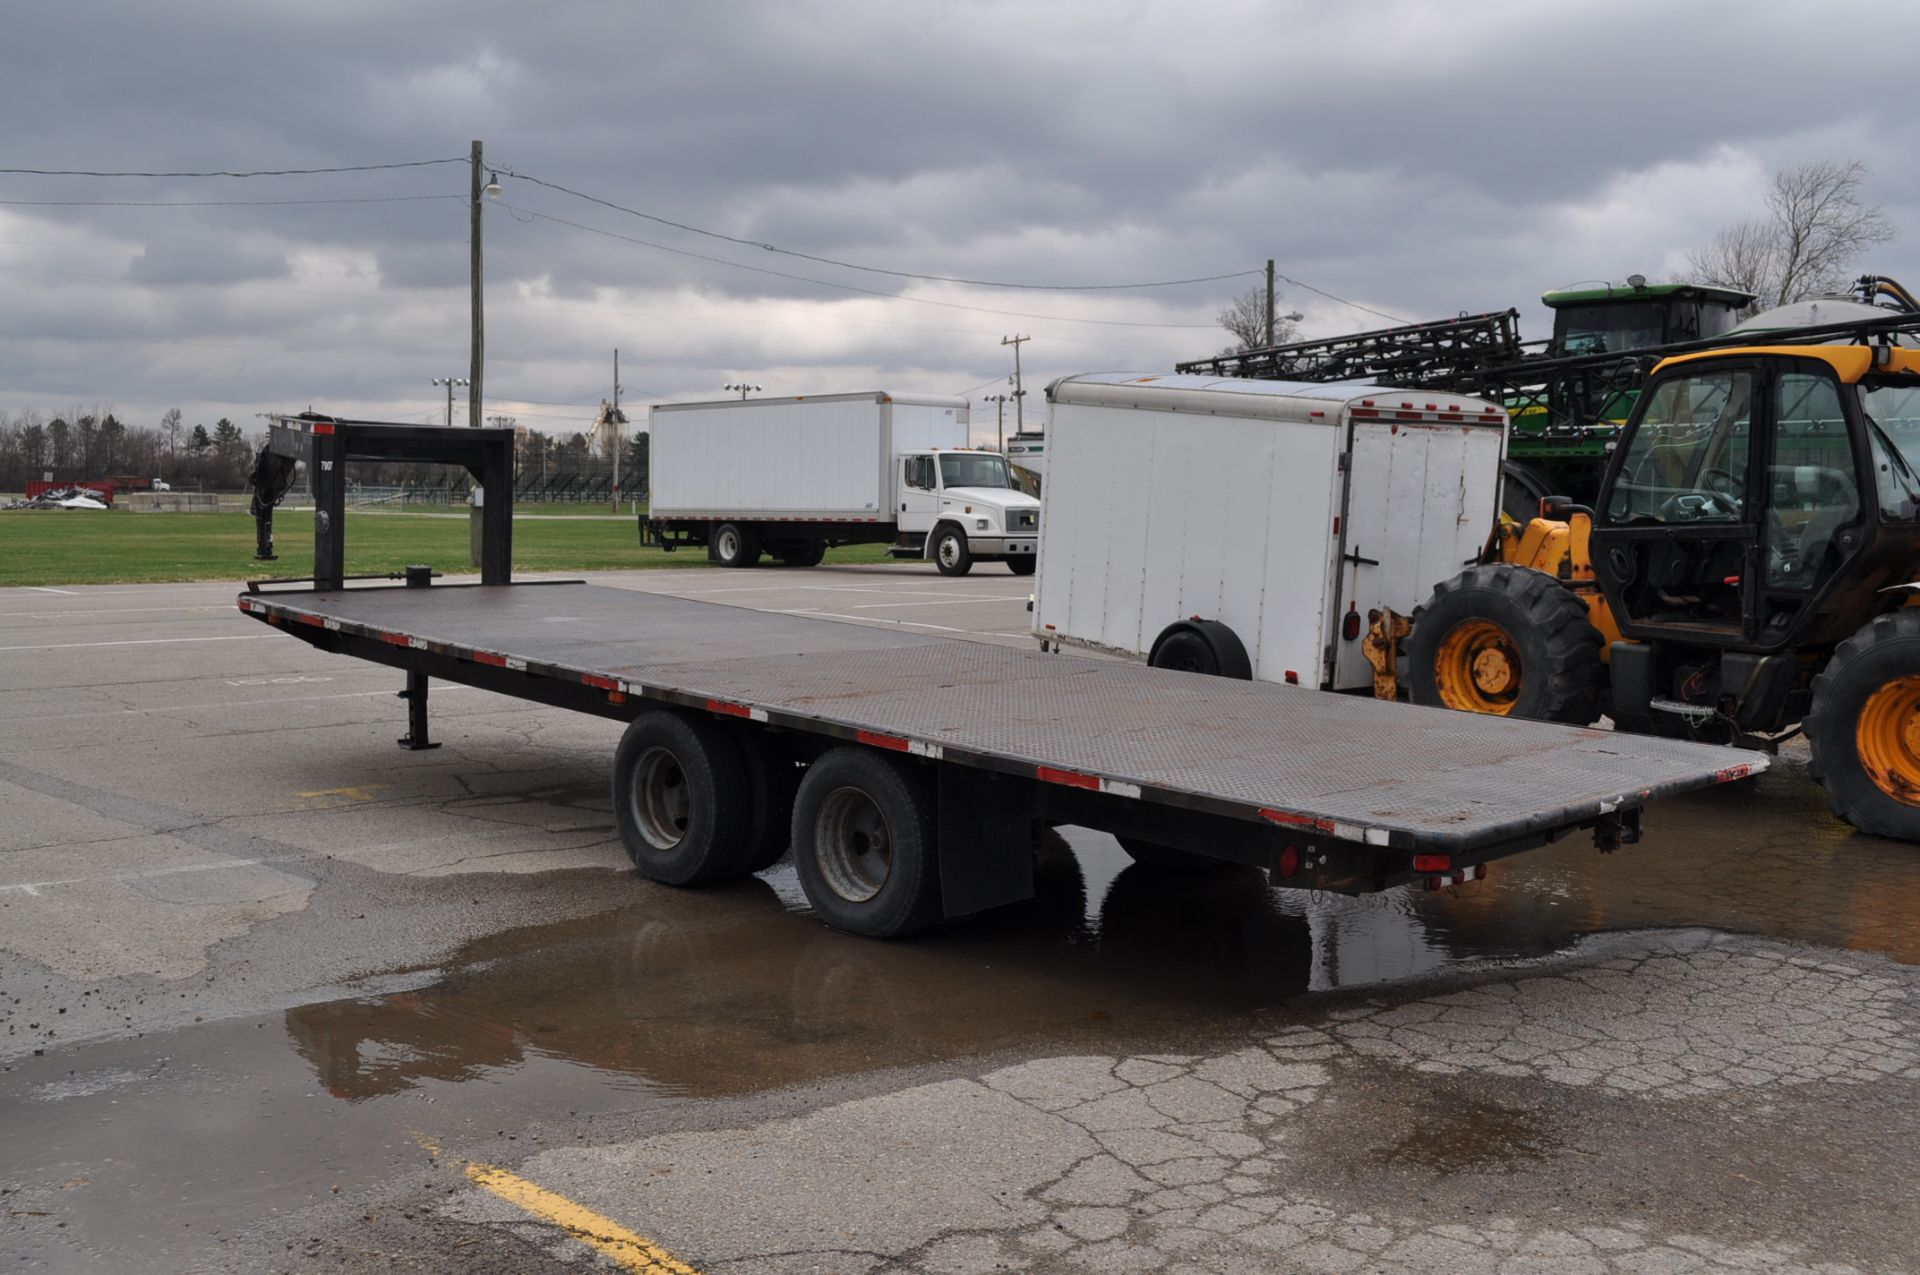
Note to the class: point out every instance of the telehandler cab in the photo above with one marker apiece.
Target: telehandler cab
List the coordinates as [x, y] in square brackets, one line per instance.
[1749, 570]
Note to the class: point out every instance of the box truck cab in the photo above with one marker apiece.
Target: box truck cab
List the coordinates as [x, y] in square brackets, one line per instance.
[962, 505]
[792, 477]
[1249, 527]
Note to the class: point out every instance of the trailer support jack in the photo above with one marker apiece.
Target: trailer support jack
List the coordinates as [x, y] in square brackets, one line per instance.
[416, 697]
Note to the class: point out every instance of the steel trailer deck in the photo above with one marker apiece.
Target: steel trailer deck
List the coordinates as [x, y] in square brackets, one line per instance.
[1299, 763]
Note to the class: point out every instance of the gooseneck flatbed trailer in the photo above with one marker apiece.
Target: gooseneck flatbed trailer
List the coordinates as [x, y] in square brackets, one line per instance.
[908, 774]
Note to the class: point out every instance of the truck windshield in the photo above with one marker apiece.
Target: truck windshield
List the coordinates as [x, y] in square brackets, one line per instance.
[1609, 329]
[973, 469]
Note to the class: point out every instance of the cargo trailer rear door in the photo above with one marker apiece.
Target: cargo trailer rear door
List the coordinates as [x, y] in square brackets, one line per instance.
[1421, 499]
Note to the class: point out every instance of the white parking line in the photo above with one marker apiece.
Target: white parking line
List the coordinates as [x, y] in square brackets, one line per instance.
[69, 646]
[41, 589]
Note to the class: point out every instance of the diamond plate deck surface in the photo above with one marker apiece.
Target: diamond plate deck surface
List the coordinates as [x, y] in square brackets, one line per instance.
[1447, 779]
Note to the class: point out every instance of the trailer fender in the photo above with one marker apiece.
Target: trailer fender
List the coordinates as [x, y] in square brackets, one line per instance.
[1201, 646]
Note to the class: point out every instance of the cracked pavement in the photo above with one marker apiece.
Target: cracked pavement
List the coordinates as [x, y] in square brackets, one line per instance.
[268, 985]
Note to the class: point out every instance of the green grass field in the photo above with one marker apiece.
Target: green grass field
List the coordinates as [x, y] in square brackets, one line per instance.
[56, 547]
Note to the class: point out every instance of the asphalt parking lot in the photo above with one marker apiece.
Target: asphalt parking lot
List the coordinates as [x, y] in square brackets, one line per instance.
[278, 995]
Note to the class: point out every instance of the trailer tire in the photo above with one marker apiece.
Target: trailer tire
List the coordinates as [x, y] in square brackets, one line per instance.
[680, 793]
[865, 843]
[1167, 859]
[736, 544]
[804, 553]
[1023, 564]
[951, 552]
[1864, 704]
[1508, 641]
[773, 777]
[1201, 646]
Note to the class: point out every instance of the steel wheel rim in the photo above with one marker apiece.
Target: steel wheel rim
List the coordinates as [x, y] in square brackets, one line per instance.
[853, 845]
[949, 551]
[1888, 739]
[729, 544]
[659, 800]
[1477, 668]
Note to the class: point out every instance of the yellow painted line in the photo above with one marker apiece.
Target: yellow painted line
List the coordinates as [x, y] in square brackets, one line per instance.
[633, 1252]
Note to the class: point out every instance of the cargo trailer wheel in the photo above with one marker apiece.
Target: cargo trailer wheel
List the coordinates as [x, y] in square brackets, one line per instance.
[1023, 564]
[735, 545]
[1166, 858]
[951, 553]
[865, 843]
[1509, 641]
[1201, 646]
[680, 799]
[1865, 728]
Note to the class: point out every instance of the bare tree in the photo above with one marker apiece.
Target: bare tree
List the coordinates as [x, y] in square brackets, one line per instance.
[171, 429]
[1246, 318]
[1816, 226]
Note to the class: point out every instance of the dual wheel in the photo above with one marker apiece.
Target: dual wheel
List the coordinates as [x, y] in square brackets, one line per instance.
[739, 544]
[699, 801]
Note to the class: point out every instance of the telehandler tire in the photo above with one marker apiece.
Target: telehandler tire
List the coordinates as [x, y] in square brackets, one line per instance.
[1508, 641]
[1865, 728]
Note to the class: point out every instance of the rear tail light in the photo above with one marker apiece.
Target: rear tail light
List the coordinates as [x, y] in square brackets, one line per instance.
[1432, 862]
[1289, 861]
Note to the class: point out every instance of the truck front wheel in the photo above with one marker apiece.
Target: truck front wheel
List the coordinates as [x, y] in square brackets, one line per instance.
[1864, 728]
[951, 553]
[1509, 641]
[681, 799]
[865, 843]
[735, 544]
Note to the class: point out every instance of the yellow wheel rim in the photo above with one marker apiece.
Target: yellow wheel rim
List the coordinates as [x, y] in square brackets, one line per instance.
[1888, 738]
[1477, 668]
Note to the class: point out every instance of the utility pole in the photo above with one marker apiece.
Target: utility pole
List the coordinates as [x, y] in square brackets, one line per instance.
[616, 420]
[999, 402]
[477, 350]
[1019, 391]
[1269, 302]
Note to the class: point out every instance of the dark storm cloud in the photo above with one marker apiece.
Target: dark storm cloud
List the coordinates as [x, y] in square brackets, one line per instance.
[1418, 158]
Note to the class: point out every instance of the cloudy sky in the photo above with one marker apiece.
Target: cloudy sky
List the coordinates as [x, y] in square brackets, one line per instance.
[1412, 159]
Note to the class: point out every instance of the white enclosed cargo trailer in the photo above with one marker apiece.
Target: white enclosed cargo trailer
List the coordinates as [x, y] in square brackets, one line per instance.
[1248, 527]
[792, 476]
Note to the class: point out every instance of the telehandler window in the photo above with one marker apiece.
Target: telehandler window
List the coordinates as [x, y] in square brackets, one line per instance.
[1687, 460]
[1814, 490]
[1892, 409]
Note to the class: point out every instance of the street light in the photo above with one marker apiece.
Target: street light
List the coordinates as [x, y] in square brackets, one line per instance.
[743, 387]
[450, 382]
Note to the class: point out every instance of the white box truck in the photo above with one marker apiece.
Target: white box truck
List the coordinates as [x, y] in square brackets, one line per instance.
[793, 476]
[1248, 527]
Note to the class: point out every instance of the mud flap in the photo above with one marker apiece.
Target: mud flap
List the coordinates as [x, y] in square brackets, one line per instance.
[986, 841]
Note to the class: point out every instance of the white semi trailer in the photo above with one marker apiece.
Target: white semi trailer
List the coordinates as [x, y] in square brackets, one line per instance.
[793, 476]
[1248, 527]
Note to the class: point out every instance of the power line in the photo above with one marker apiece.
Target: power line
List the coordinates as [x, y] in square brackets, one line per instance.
[848, 287]
[1342, 300]
[262, 172]
[848, 265]
[215, 203]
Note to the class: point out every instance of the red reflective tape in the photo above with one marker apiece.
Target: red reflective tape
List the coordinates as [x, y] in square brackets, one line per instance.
[395, 639]
[1732, 773]
[1452, 416]
[1365, 413]
[1406, 416]
[897, 743]
[1288, 819]
[731, 710]
[323, 428]
[1068, 778]
[244, 607]
[488, 657]
[600, 683]
[310, 619]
